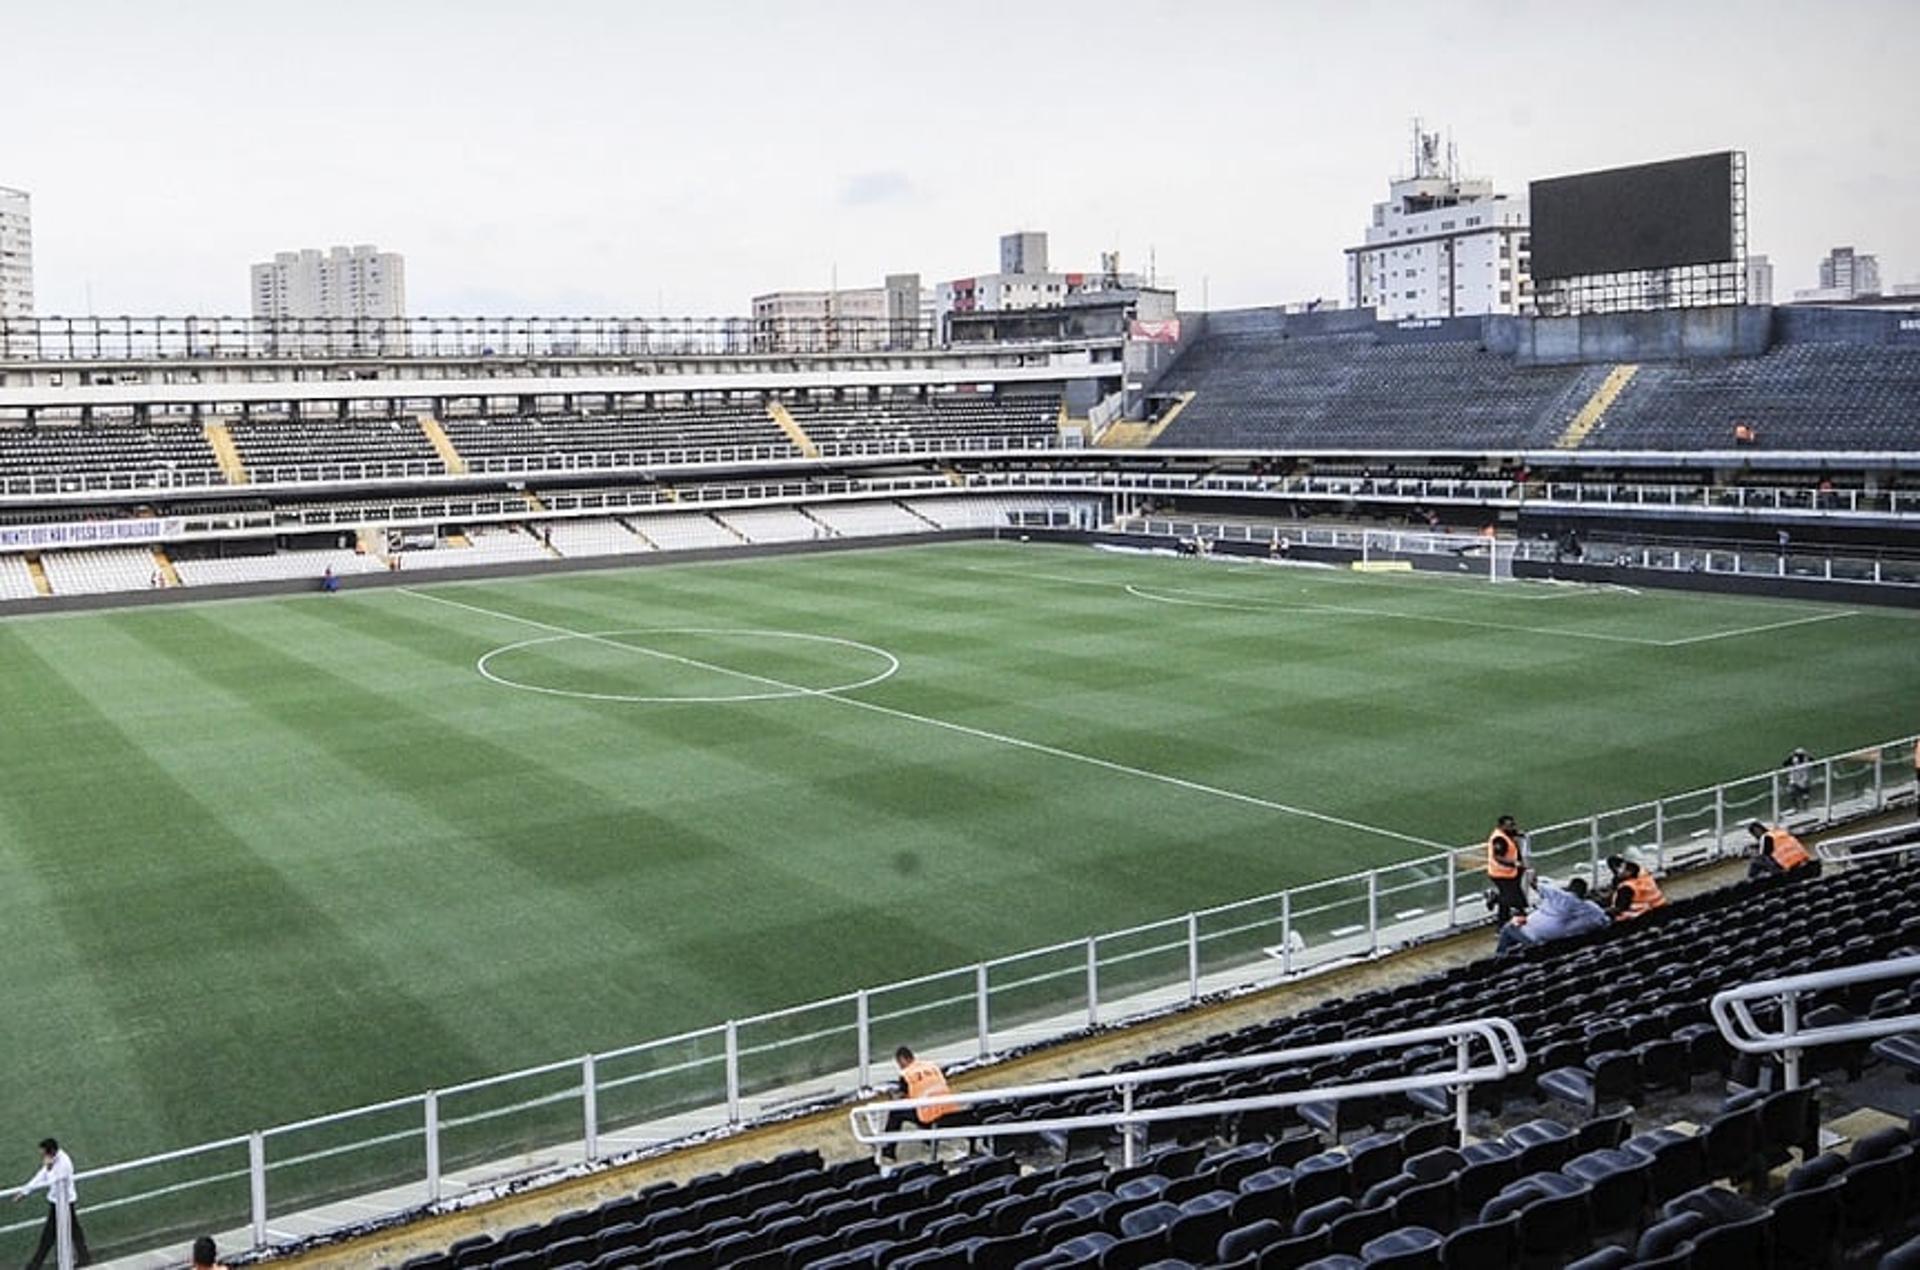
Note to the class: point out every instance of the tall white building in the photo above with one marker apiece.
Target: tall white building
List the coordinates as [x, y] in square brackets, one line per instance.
[1441, 245]
[344, 282]
[16, 254]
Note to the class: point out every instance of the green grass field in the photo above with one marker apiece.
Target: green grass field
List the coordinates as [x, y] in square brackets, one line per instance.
[272, 858]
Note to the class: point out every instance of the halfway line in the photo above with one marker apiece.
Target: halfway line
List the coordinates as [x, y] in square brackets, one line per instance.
[1037, 747]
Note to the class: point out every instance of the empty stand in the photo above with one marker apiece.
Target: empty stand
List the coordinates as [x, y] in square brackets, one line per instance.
[624, 439]
[684, 531]
[953, 421]
[100, 570]
[861, 520]
[331, 449]
[278, 567]
[1795, 397]
[1265, 390]
[65, 458]
[16, 580]
[594, 536]
[774, 524]
[486, 544]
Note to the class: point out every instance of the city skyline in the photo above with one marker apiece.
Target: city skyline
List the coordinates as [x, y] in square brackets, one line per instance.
[592, 157]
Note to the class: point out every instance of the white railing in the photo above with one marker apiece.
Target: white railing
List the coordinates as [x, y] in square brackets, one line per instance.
[273, 1186]
[1733, 1013]
[1885, 843]
[1882, 569]
[1506, 1055]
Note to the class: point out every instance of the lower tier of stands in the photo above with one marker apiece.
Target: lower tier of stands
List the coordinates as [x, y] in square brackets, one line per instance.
[89, 571]
[1636, 1136]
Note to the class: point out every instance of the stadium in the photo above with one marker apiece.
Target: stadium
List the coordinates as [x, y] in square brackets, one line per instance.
[521, 792]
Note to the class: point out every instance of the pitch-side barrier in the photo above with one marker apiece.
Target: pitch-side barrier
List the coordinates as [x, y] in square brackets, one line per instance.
[461, 1144]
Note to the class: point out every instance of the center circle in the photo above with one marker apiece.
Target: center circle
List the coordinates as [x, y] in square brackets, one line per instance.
[755, 685]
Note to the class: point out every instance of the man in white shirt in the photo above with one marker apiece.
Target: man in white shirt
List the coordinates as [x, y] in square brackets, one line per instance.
[56, 1178]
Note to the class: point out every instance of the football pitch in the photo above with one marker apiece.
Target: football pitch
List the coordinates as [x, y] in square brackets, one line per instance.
[267, 859]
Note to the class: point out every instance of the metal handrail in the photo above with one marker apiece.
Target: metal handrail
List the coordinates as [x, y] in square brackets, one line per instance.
[1506, 1056]
[1734, 1018]
[1841, 850]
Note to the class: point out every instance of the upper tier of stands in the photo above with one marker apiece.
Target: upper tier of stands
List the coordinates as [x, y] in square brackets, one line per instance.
[732, 425]
[1617, 1030]
[75, 451]
[1796, 397]
[957, 419]
[1265, 390]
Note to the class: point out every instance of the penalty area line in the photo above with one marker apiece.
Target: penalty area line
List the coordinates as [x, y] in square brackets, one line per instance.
[965, 729]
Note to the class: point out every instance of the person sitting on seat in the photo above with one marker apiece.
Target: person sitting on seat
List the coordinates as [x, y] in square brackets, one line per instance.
[1561, 913]
[1777, 853]
[1638, 895]
[923, 1080]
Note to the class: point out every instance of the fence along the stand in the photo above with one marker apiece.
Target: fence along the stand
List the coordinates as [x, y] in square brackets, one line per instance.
[274, 1185]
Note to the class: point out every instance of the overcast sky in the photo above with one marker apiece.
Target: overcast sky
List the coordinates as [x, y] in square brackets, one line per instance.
[623, 156]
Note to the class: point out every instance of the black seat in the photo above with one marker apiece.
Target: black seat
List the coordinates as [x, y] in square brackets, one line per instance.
[1621, 1186]
[1482, 1246]
[1251, 1238]
[1807, 1225]
[1678, 1161]
[1408, 1248]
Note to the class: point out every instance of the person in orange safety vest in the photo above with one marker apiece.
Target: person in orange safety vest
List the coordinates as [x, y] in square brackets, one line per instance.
[923, 1080]
[1506, 867]
[1777, 852]
[1638, 895]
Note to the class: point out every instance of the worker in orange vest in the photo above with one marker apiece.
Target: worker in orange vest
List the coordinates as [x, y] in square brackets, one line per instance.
[1777, 852]
[1506, 866]
[1638, 895]
[923, 1080]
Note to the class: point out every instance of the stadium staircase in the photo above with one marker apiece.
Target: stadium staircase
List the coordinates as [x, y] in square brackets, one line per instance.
[1125, 435]
[443, 445]
[38, 573]
[783, 418]
[225, 453]
[1640, 1129]
[164, 564]
[1591, 415]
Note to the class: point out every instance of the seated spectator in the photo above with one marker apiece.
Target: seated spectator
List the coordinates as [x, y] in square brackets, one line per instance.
[205, 1256]
[1559, 913]
[1777, 853]
[1638, 895]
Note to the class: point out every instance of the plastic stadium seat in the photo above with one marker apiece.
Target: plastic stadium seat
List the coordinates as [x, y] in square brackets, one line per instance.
[1481, 1245]
[1429, 1166]
[1608, 1258]
[1904, 1257]
[1321, 1215]
[1359, 1228]
[1807, 1224]
[1621, 1186]
[1607, 1076]
[1902, 1051]
[1294, 1251]
[1149, 1220]
[1321, 1177]
[1874, 1195]
[1375, 1158]
[1408, 1248]
[1251, 1238]
[1336, 1261]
